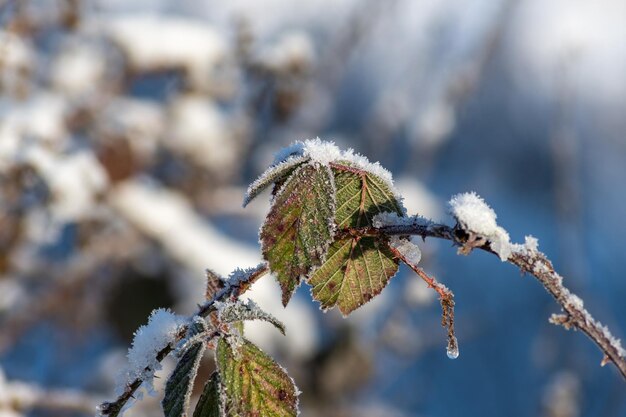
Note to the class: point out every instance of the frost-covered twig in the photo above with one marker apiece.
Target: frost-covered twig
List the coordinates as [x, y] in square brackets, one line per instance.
[446, 298]
[239, 282]
[526, 257]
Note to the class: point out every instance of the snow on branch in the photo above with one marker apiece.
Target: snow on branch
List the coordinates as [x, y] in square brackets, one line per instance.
[476, 228]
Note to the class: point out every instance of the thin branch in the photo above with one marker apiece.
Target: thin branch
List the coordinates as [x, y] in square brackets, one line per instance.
[532, 262]
[232, 289]
[446, 298]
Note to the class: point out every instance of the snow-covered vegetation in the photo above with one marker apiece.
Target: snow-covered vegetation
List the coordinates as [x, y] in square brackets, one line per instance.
[129, 132]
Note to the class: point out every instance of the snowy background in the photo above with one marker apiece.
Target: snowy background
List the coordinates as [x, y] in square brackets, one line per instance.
[130, 130]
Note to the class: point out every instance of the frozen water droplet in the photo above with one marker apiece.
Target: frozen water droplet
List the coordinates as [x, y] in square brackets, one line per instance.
[453, 348]
[453, 353]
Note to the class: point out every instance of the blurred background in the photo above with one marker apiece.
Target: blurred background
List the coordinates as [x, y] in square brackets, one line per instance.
[129, 131]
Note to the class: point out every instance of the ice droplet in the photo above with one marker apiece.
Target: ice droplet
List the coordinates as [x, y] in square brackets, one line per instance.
[453, 353]
[453, 348]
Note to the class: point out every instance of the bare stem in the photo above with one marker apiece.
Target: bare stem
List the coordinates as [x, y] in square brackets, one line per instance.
[231, 290]
[532, 262]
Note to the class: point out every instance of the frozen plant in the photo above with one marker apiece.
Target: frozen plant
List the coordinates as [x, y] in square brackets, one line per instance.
[337, 224]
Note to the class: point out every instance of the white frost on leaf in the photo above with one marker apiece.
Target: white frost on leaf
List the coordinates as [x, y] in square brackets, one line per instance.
[271, 175]
[325, 153]
[478, 219]
[149, 340]
[407, 248]
[230, 312]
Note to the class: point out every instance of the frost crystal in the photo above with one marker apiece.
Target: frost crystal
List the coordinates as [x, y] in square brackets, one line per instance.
[327, 152]
[273, 174]
[477, 218]
[530, 246]
[230, 312]
[407, 248]
[161, 330]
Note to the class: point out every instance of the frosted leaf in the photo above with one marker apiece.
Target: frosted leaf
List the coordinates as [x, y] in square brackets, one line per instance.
[239, 277]
[180, 383]
[322, 151]
[161, 330]
[255, 385]
[356, 269]
[407, 248]
[326, 153]
[299, 226]
[212, 400]
[230, 312]
[273, 174]
[478, 219]
[196, 331]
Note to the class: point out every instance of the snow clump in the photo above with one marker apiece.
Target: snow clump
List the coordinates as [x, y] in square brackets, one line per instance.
[149, 340]
[478, 219]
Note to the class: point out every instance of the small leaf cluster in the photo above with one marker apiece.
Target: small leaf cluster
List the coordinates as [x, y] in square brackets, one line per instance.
[247, 382]
[306, 236]
[323, 227]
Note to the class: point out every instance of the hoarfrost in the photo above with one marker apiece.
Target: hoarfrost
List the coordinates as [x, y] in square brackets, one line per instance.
[161, 330]
[326, 152]
[476, 217]
[273, 174]
[388, 218]
[407, 248]
[230, 312]
[530, 246]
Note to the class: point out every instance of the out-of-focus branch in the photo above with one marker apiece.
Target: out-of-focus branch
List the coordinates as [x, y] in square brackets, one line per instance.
[21, 397]
[533, 262]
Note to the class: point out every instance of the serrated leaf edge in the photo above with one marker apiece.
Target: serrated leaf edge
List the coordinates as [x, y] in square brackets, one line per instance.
[272, 175]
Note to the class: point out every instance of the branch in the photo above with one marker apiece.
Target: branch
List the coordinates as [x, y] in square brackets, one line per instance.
[446, 298]
[237, 285]
[532, 262]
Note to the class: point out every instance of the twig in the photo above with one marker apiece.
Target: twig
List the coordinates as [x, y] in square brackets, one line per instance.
[533, 262]
[231, 290]
[446, 298]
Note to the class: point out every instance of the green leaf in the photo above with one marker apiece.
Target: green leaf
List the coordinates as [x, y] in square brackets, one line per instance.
[273, 174]
[179, 385]
[255, 385]
[211, 403]
[356, 268]
[299, 226]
